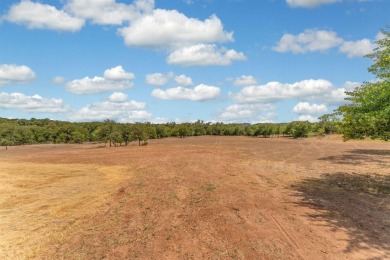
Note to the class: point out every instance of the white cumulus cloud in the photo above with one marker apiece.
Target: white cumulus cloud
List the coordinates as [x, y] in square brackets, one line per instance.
[183, 80]
[305, 108]
[357, 48]
[309, 118]
[42, 16]
[313, 40]
[109, 11]
[244, 80]
[171, 29]
[15, 74]
[189, 41]
[117, 97]
[35, 103]
[247, 113]
[337, 95]
[204, 55]
[116, 107]
[308, 41]
[114, 79]
[158, 79]
[351, 86]
[118, 73]
[276, 91]
[310, 3]
[199, 93]
[89, 85]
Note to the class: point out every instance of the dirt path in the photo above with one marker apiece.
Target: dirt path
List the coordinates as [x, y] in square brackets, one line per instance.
[198, 198]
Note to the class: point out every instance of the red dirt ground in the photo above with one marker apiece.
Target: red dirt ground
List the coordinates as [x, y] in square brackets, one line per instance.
[197, 198]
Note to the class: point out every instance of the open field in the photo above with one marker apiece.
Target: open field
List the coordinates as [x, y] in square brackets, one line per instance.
[197, 198]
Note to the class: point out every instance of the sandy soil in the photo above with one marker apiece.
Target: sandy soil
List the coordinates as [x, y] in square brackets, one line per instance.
[197, 198]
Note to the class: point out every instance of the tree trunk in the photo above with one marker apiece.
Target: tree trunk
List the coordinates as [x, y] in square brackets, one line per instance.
[139, 141]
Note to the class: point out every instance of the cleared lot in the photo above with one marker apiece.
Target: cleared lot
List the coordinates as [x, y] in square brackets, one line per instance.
[200, 197]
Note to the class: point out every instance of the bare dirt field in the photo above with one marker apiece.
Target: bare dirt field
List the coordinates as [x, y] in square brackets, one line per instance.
[197, 198]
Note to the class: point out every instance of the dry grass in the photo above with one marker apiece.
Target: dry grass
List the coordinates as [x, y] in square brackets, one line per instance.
[39, 200]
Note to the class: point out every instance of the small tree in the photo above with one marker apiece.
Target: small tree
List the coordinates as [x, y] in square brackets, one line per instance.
[139, 132]
[299, 129]
[106, 131]
[5, 142]
[329, 124]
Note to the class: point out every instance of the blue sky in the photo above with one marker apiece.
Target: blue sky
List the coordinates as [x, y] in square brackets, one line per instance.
[182, 60]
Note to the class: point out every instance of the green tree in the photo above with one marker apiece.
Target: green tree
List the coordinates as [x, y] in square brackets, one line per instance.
[329, 124]
[5, 142]
[298, 129]
[106, 131]
[368, 113]
[139, 132]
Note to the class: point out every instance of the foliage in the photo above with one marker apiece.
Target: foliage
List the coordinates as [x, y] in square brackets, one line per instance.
[329, 124]
[381, 57]
[33, 131]
[140, 133]
[299, 129]
[368, 114]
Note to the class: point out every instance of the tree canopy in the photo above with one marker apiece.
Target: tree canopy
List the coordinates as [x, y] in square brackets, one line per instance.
[368, 113]
[34, 131]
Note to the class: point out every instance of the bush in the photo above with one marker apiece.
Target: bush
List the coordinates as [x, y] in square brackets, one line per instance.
[299, 129]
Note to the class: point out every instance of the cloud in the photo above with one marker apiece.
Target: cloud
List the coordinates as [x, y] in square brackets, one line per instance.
[309, 3]
[276, 91]
[35, 103]
[15, 74]
[183, 80]
[244, 80]
[357, 48]
[189, 41]
[305, 108]
[42, 16]
[351, 86]
[114, 79]
[199, 93]
[309, 118]
[335, 97]
[118, 73]
[109, 12]
[116, 107]
[309, 41]
[312, 40]
[117, 97]
[58, 80]
[204, 55]
[89, 85]
[247, 113]
[170, 29]
[158, 79]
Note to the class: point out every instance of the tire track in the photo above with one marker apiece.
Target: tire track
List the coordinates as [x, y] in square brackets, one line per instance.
[287, 236]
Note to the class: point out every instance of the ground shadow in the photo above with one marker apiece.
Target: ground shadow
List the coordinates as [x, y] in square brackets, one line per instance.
[360, 156]
[356, 203]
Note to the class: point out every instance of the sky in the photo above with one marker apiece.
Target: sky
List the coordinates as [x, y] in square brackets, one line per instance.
[231, 61]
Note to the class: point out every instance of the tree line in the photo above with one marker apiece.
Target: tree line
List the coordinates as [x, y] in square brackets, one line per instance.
[40, 131]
